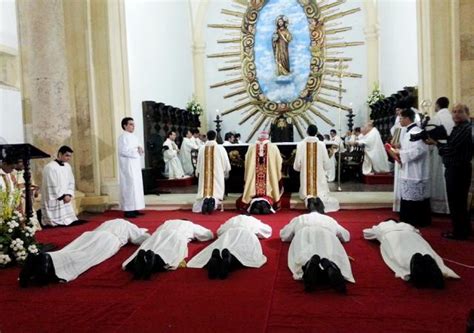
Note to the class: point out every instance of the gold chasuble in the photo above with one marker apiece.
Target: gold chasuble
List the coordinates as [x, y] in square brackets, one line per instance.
[208, 171]
[312, 169]
[262, 172]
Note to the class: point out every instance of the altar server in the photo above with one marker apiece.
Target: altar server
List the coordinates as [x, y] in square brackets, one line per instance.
[57, 191]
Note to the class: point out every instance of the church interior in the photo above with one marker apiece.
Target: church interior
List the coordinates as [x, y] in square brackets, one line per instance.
[253, 73]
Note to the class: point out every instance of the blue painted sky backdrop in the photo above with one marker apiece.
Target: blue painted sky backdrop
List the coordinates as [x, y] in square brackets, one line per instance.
[299, 50]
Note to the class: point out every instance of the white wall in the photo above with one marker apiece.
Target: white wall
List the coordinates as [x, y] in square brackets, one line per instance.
[11, 116]
[356, 88]
[159, 44]
[398, 45]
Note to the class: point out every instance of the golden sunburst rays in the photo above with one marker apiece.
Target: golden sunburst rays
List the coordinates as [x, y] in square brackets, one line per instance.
[322, 93]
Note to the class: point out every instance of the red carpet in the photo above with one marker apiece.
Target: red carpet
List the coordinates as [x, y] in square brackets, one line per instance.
[378, 178]
[105, 299]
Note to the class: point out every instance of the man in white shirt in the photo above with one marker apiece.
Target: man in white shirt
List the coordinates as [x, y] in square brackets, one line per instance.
[132, 197]
[228, 139]
[185, 157]
[166, 249]
[57, 191]
[312, 161]
[439, 197]
[237, 245]
[316, 253]
[213, 167]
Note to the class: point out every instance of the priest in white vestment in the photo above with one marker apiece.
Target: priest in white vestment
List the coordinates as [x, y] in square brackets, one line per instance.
[312, 161]
[57, 191]
[262, 172]
[239, 236]
[185, 157]
[398, 243]
[439, 196]
[414, 174]
[173, 167]
[132, 197]
[88, 250]
[197, 138]
[375, 157]
[316, 234]
[170, 243]
[213, 167]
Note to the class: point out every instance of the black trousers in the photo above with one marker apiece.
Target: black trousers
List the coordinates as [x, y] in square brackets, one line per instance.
[416, 213]
[458, 181]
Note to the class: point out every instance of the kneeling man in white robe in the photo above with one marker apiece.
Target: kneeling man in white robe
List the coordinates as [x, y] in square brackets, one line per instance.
[375, 157]
[213, 167]
[409, 255]
[316, 254]
[173, 167]
[166, 249]
[237, 245]
[89, 249]
[312, 161]
[57, 191]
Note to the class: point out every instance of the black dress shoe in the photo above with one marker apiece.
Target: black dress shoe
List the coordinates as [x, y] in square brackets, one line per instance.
[27, 271]
[137, 213]
[160, 265]
[226, 264]
[77, 222]
[44, 270]
[434, 274]
[336, 280]
[310, 274]
[417, 271]
[139, 265]
[211, 205]
[214, 265]
[204, 208]
[129, 215]
[149, 264]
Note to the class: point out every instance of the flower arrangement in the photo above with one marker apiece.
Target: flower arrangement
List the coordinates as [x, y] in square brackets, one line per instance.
[375, 96]
[17, 234]
[194, 107]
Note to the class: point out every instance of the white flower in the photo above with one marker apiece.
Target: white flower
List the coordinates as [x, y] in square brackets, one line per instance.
[10, 231]
[32, 249]
[4, 259]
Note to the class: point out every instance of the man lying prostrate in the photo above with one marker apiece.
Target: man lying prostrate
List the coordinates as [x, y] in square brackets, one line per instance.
[237, 245]
[89, 249]
[409, 255]
[165, 249]
[316, 254]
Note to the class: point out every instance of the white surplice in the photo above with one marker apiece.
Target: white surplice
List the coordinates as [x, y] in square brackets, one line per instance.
[131, 184]
[439, 196]
[185, 155]
[375, 157]
[240, 236]
[319, 234]
[170, 241]
[173, 167]
[414, 172]
[213, 166]
[398, 243]
[93, 247]
[58, 181]
[321, 165]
